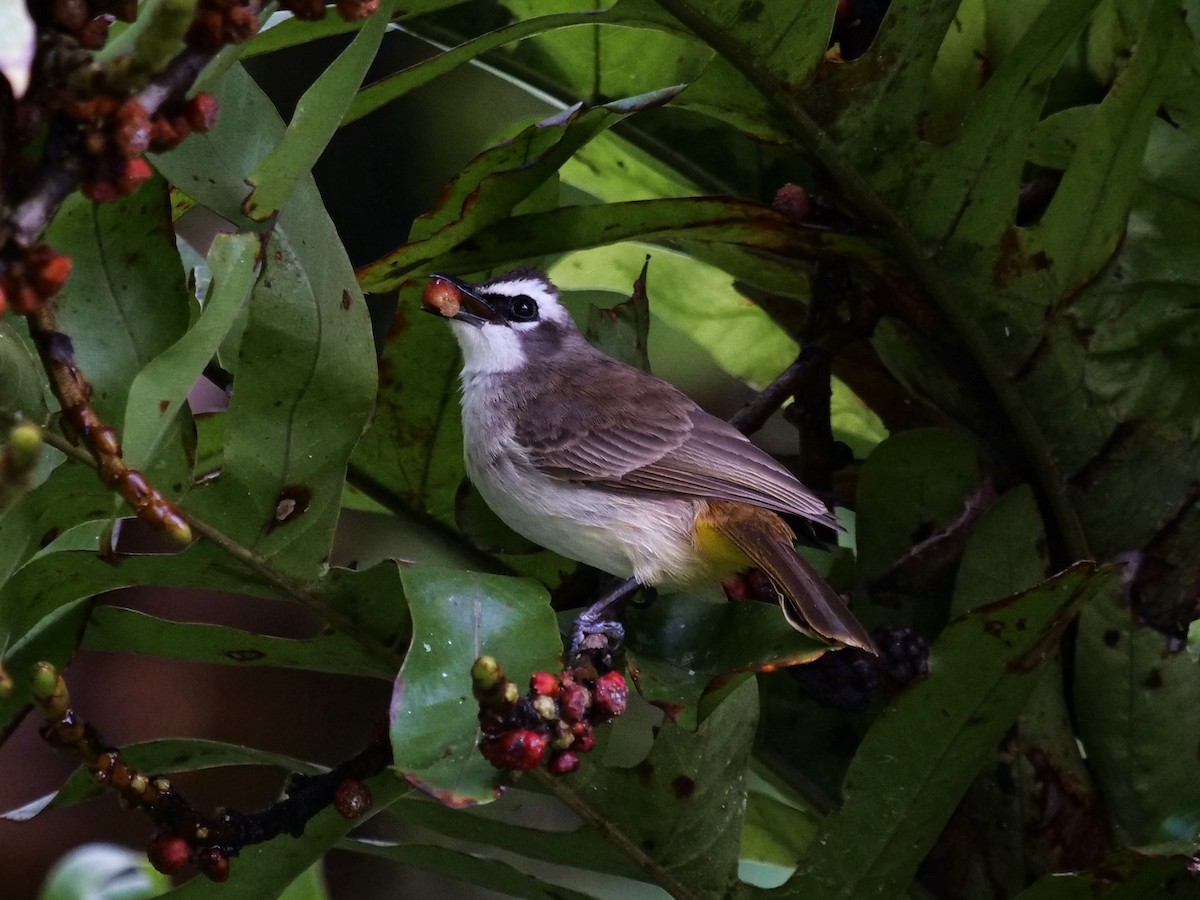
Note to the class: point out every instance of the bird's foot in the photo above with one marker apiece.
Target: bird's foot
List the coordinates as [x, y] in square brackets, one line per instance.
[596, 628]
[596, 633]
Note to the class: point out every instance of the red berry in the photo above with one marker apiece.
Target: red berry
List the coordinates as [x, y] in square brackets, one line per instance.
[544, 684]
[136, 171]
[611, 695]
[563, 763]
[213, 863]
[574, 702]
[516, 749]
[352, 798]
[793, 201]
[585, 739]
[442, 297]
[52, 275]
[169, 853]
[202, 112]
[100, 191]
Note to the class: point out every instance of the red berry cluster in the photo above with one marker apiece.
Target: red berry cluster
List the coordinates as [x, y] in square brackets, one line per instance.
[32, 280]
[117, 132]
[221, 22]
[87, 20]
[553, 722]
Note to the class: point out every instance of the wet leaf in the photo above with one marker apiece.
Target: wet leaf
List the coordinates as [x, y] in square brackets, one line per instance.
[457, 617]
[683, 646]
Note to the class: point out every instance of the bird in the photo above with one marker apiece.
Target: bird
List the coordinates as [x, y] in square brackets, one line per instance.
[611, 466]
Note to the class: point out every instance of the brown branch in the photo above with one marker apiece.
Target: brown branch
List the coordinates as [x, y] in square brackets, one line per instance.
[186, 835]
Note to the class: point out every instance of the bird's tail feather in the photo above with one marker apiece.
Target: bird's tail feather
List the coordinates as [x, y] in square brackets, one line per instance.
[809, 604]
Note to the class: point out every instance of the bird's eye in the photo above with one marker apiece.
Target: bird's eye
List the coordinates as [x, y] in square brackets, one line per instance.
[522, 309]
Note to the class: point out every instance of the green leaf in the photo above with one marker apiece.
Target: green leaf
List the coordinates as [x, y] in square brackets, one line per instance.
[302, 395]
[1132, 875]
[458, 616]
[494, 875]
[413, 449]
[486, 826]
[160, 389]
[683, 646]
[1130, 686]
[915, 764]
[609, 62]
[22, 384]
[687, 218]
[872, 105]
[292, 31]
[496, 180]
[1005, 555]
[318, 114]
[970, 185]
[1099, 185]
[126, 301]
[697, 299]
[912, 485]
[403, 82]
[621, 330]
[119, 630]
[684, 804]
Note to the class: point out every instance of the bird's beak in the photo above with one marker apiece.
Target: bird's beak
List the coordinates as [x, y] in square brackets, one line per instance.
[453, 298]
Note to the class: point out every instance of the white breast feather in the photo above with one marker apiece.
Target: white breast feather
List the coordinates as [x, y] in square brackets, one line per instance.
[623, 534]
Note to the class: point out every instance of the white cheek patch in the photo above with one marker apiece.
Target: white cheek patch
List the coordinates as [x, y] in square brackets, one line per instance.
[488, 348]
[535, 289]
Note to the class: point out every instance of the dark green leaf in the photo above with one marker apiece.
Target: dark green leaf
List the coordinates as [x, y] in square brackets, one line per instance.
[683, 645]
[1099, 185]
[494, 182]
[120, 630]
[1131, 686]
[1134, 875]
[683, 805]
[491, 874]
[413, 449]
[581, 847]
[691, 218]
[915, 764]
[912, 485]
[22, 384]
[1005, 555]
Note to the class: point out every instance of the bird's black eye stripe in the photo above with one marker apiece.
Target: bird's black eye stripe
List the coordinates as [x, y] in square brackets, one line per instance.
[522, 309]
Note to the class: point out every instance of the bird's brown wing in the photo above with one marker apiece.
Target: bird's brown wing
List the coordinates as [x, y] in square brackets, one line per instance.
[626, 430]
